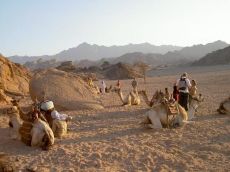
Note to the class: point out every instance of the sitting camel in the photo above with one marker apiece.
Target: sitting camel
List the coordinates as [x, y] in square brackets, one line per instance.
[159, 115]
[42, 134]
[32, 130]
[224, 107]
[131, 99]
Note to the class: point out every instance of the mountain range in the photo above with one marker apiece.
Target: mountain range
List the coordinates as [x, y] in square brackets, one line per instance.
[96, 52]
[183, 56]
[86, 54]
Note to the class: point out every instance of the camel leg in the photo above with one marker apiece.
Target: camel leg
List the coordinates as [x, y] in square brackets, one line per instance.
[191, 113]
[155, 120]
[127, 101]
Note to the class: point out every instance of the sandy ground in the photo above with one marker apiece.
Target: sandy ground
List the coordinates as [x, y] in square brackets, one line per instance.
[112, 139]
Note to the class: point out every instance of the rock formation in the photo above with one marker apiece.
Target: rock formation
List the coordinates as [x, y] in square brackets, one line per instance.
[14, 79]
[68, 91]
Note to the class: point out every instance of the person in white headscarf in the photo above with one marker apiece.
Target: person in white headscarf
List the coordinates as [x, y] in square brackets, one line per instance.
[51, 114]
[56, 120]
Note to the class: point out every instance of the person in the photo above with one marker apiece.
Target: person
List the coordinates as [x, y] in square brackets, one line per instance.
[183, 84]
[118, 85]
[175, 93]
[103, 86]
[51, 114]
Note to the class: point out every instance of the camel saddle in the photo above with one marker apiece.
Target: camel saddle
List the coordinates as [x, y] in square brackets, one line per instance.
[172, 110]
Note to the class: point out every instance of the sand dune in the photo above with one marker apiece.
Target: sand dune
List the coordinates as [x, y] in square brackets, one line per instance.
[111, 139]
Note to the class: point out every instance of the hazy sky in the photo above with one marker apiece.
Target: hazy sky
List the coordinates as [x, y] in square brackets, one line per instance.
[38, 27]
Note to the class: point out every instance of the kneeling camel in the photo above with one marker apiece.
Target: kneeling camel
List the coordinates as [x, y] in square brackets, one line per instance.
[158, 116]
[224, 107]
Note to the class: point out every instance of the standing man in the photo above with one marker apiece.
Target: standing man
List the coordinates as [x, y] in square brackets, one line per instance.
[103, 86]
[183, 84]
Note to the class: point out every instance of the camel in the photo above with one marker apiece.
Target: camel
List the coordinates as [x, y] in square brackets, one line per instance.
[59, 127]
[157, 116]
[224, 107]
[131, 99]
[34, 131]
[42, 134]
[15, 122]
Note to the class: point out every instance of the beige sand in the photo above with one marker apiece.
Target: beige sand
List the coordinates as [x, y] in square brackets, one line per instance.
[112, 140]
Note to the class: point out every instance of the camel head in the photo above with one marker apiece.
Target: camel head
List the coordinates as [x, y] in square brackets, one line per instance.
[12, 110]
[195, 101]
[158, 97]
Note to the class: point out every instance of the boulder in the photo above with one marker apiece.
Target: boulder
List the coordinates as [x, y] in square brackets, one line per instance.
[68, 91]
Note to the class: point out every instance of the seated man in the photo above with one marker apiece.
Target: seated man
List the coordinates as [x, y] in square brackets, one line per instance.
[57, 121]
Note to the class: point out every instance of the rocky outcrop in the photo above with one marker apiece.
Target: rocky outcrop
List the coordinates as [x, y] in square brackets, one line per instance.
[67, 66]
[14, 79]
[68, 91]
[121, 71]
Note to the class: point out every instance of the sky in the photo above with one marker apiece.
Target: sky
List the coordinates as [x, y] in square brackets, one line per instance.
[46, 27]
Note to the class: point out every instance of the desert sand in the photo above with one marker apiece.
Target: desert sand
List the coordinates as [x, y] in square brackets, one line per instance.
[111, 139]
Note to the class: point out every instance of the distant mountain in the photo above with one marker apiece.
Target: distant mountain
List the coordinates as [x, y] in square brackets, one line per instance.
[183, 56]
[96, 52]
[24, 59]
[197, 51]
[215, 58]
